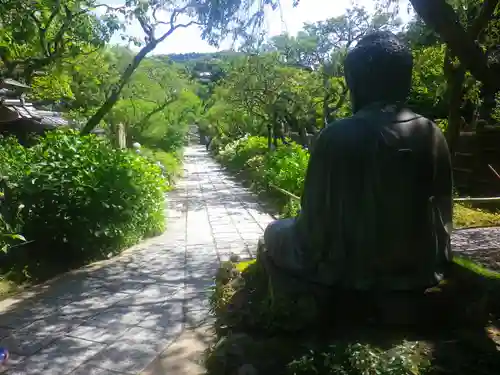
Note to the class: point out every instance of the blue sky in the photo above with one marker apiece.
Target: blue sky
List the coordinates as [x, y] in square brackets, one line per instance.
[287, 19]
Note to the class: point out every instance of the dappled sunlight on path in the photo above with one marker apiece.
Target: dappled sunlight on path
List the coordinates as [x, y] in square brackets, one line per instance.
[117, 316]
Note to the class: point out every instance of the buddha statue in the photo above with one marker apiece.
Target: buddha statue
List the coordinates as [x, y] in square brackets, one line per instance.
[376, 210]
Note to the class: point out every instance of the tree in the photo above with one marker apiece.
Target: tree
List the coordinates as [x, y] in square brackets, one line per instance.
[475, 17]
[156, 105]
[443, 19]
[333, 38]
[216, 19]
[39, 33]
[269, 94]
[427, 95]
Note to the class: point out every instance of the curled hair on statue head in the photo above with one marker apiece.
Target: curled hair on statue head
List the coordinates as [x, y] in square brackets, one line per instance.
[379, 69]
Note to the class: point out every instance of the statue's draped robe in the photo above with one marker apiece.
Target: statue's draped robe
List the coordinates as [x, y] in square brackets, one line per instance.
[377, 205]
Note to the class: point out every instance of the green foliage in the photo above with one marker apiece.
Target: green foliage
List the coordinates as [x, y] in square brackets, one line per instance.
[78, 199]
[284, 167]
[38, 34]
[236, 154]
[364, 359]
[429, 83]
[171, 162]
[496, 112]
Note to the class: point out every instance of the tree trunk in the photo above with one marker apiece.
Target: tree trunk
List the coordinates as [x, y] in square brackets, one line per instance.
[269, 137]
[455, 77]
[115, 93]
[441, 17]
[303, 136]
[488, 96]
[276, 134]
[326, 100]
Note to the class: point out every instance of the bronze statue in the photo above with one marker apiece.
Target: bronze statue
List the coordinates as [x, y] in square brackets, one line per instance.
[377, 203]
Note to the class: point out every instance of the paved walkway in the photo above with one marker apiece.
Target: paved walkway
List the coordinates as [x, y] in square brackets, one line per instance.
[116, 317]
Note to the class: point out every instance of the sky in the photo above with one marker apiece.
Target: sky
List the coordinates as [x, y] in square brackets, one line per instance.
[287, 19]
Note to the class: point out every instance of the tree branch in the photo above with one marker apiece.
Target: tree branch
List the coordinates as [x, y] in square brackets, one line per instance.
[483, 18]
[439, 15]
[175, 27]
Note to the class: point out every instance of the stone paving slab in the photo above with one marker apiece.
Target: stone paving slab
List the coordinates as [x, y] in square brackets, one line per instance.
[117, 316]
[185, 356]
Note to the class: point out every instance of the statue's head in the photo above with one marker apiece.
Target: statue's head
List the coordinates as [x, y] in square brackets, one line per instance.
[378, 69]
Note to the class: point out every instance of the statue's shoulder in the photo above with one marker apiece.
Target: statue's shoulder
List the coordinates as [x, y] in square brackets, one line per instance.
[339, 126]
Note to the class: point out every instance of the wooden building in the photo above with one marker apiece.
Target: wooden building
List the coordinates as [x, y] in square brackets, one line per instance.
[20, 118]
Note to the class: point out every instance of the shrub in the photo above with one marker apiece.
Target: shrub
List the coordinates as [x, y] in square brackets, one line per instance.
[284, 167]
[237, 153]
[218, 143]
[78, 199]
[170, 161]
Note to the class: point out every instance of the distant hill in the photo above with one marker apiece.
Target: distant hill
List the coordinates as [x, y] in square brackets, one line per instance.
[194, 56]
[204, 67]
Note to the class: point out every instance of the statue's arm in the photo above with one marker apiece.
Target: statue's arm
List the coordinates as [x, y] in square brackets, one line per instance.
[443, 190]
[317, 189]
[443, 180]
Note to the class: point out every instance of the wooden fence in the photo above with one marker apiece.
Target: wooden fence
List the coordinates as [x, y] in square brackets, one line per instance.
[476, 164]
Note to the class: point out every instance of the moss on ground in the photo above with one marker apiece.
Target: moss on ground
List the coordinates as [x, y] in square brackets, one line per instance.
[9, 288]
[6, 287]
[261, 331]
[473, 217]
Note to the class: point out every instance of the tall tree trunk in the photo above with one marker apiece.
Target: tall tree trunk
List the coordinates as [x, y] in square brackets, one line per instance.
[326, 100]
[276, 132]
[455, 77]
[441, 17]
[303, 136]
[115, 93]
[488, 95]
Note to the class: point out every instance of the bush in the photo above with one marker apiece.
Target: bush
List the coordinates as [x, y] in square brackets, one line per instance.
[236, 154]
[171, 162]
[78, 199]
[284, 167]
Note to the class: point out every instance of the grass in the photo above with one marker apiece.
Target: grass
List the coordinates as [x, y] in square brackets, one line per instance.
[476, 268]
[466, 263]
[464, 216]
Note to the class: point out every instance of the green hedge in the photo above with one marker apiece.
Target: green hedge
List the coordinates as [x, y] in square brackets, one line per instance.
[76, 199]
[284, 167]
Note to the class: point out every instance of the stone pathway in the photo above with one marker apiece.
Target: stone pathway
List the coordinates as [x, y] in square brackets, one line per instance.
[116, 317]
